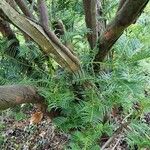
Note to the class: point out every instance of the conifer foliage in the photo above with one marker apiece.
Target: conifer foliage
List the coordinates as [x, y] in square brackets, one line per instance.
[84, 64]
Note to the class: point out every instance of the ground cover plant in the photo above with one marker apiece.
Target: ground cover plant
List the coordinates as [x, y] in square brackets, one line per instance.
[74, 74]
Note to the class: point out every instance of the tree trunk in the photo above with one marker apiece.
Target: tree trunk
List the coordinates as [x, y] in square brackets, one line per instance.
[126, 15]
[90, 9]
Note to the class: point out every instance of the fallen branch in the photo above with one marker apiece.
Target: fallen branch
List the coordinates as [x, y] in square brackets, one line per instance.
[13, 95]
[117, 132]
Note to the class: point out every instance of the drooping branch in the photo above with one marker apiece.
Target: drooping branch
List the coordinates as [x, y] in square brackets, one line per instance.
[28, 13]
[124, 18]
[44, 21]
[13, 95]
[90, 9]
[44, 18]
[49, 45]
[22, 5]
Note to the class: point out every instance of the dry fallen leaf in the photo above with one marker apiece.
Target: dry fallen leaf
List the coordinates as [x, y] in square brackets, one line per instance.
[36, 117]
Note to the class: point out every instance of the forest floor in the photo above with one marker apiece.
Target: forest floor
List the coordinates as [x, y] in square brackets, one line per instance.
[17, 133]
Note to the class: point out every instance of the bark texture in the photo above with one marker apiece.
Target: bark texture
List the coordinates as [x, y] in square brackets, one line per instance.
[90, 9]
[13, 95]
[44, 18]
[101, 20]
[49, 43]
[24, 8]
[124, 18]
[12, 3]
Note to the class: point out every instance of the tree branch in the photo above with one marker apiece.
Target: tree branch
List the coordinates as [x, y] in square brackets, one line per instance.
[44, 18]
[123, 19]
[13, 4]
[101, 18]
[13, 95]
[60, 53]
[22, 5]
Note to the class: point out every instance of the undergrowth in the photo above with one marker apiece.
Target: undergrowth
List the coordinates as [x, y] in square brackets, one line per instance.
[122, 93]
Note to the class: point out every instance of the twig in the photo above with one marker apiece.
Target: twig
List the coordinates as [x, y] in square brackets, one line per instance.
[117, 132]
[116, 143]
